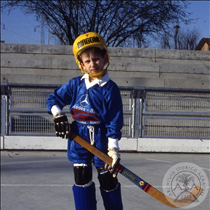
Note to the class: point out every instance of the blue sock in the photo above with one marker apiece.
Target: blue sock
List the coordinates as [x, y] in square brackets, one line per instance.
[112, 199]
[84, 197]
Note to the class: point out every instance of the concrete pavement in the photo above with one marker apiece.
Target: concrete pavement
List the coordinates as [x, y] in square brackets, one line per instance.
[42, 180]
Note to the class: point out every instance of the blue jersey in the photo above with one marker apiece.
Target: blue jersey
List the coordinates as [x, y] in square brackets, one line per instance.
[97, 106]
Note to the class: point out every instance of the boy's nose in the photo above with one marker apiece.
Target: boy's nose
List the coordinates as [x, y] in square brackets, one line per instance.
[93, 63]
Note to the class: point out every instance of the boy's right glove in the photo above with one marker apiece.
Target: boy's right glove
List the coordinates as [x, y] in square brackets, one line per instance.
[114, 154]
[62, 127]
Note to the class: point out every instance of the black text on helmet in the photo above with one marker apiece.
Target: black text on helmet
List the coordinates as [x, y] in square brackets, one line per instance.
[88, 41]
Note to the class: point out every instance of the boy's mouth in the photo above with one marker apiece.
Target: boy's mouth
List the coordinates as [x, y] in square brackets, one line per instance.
[94, 70]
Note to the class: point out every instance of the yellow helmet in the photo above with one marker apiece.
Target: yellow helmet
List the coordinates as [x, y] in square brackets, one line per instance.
[85, 41]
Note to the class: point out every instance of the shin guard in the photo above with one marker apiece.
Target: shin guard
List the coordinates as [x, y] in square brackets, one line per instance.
[84, 197]
[112, 199]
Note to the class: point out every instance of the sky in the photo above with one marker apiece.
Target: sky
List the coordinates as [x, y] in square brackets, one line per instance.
[24, 29]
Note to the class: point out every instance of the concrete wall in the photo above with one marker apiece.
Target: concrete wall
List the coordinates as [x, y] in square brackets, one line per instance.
[55, 64]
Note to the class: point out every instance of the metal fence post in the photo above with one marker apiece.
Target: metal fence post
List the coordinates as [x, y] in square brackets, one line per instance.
[4, 109]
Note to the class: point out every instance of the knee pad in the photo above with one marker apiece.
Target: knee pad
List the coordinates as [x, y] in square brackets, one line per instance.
[106, 180]
[82, 173]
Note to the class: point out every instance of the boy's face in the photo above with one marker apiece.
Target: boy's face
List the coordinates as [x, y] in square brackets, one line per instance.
[93, 62]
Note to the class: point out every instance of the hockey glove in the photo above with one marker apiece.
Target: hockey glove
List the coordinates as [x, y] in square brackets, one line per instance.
[114, 154]
[62, 127]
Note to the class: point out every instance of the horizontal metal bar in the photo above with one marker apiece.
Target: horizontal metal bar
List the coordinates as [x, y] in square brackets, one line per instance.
[183, 114]
[30, 85]
[121, 87]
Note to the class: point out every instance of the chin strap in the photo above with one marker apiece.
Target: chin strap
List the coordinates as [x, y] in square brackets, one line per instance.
[96, 74]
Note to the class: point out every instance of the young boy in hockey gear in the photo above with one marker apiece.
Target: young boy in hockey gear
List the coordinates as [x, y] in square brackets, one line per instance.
[96, 107]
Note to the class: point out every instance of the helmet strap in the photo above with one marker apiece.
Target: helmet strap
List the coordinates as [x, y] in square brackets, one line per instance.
[96, 74]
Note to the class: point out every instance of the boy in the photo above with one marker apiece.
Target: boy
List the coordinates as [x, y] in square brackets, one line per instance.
[96, 107]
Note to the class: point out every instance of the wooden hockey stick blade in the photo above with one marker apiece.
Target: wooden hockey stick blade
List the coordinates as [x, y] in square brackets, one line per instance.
[146, 187]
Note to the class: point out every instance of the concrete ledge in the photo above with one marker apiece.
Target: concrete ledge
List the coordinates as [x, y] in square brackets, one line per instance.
[174, 145]
[51, 143]
[126, 144]
[35, 143]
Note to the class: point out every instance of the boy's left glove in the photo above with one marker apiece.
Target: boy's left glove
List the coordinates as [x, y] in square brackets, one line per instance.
[62, 127]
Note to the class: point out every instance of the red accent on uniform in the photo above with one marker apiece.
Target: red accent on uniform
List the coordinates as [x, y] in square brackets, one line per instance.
[80, 115]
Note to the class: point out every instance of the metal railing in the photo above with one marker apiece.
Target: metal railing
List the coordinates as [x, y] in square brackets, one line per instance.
[176, 114]
[148, 112]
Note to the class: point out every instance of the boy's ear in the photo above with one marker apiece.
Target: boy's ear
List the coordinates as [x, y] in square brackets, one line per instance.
[81, 64]
[83, 67]
[106, 58]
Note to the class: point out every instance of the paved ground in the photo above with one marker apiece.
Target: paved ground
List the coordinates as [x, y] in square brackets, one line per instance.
[33, 180]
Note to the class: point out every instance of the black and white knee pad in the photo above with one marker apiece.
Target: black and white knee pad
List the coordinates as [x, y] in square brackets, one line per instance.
[82, 174]
[106, 180]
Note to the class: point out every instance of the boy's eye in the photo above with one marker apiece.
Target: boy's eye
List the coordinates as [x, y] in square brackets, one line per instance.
[95, 59]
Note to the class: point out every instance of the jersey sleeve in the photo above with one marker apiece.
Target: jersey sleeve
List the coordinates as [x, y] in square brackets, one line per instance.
[61, 96]
[114, 115]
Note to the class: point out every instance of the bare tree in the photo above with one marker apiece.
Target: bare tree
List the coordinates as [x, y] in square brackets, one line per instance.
[120, 22]
[186, 39]
[165, 40]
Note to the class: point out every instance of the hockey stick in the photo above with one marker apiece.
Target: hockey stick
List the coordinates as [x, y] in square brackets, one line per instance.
[146, 187]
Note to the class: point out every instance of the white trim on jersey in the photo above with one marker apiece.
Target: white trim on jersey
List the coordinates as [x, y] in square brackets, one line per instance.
[55, 110]
[102, 81]
[113, 143]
